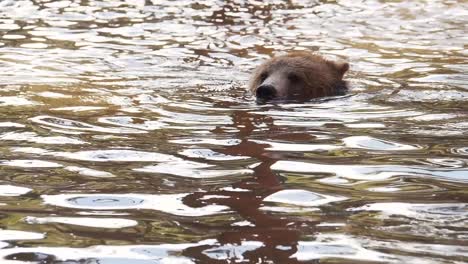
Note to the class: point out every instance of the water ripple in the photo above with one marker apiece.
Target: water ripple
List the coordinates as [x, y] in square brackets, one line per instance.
[372, 173]
[68, 124]
[167, 203]
[341, 246]
[115, 155]
[30, 163]
[104, 253]
[301, 198]
[453, 214]
[370, 143]
[83, 221]
[9, 235]
[10, 190]
[32, 137]
[90, 172]
[191, 169]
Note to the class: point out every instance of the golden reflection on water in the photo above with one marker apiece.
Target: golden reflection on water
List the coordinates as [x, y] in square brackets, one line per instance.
[128, 134]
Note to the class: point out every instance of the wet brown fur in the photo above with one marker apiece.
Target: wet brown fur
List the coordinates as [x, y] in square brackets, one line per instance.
[320, 77]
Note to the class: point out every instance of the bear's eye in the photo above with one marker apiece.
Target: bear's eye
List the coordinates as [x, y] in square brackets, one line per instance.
[263, 76]
[292, 77]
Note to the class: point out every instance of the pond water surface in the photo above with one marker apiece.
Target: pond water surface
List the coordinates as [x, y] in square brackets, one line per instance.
[127, 134]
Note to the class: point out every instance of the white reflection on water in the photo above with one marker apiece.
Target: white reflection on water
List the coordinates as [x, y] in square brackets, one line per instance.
[301, 198]
[361, 248]
[191, 169]
[207, 141]
[314, 115]
[62, 123]
[446, 221]
[128, 121]
[366, 142]
[324, 247]
[209, 154]
[10, 124]
[83, 221]
[341, 246]
[53, 95]
[8, 235]
[34, 138]
[30, 164]
[103, 155]
[167, 203]
[279, 146]
[164, 253]
[168, 164]
[78, 108]
[455, 214]
[34, 45]
[460, 80]
[232, 251]
[90, 172]
[16, 101]
[372, 173]
[114, 155]
[10, 190]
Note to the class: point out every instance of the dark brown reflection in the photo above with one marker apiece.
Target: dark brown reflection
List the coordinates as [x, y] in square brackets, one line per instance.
[279, 235]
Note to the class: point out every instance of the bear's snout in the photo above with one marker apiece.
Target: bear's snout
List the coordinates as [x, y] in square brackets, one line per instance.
[266, 92]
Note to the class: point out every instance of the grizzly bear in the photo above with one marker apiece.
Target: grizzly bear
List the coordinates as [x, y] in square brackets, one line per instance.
[298, 76]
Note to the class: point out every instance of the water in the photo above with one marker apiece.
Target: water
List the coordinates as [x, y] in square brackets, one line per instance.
[127, 134]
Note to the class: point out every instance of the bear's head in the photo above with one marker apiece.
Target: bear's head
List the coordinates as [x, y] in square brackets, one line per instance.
[298, 76]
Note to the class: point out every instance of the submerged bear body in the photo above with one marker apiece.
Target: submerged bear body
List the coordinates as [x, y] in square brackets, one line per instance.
[298, 76]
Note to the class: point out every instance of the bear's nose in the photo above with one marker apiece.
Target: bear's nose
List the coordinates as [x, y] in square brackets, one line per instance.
[266, 92]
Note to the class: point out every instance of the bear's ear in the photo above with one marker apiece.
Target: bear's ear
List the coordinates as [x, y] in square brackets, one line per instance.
[341, 67]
